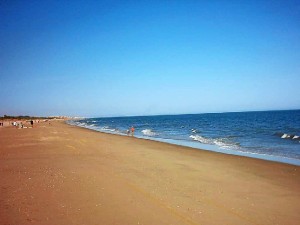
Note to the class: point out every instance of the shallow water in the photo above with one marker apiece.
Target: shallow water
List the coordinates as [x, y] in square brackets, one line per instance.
[270, 135]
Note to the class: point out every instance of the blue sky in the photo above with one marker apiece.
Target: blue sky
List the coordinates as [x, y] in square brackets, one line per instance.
[114, 58]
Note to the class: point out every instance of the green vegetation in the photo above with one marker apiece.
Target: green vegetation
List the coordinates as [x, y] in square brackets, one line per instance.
[6, 117]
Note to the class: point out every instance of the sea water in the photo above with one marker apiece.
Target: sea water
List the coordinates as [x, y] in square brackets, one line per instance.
[269, 135]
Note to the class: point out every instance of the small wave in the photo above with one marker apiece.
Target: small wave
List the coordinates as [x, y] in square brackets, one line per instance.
[221, 142]
[106, 128]
[149, 132]
[288, 136]
[81, 124]
[201, 139]
[284, 136]
[194, 131]
[225, 143]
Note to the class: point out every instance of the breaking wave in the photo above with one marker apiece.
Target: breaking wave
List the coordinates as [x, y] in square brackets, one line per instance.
[221, 142]
[288, 136]
[148, 132]
[107, 128]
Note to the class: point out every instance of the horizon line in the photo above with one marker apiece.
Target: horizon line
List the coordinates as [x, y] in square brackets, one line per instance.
[269, 110]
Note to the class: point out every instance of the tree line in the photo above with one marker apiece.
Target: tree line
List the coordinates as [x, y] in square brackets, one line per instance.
[8, 117]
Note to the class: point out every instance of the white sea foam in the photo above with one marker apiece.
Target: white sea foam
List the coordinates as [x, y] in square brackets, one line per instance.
[81, 124]
[285, 136]
[290, 136]
[149, 132]
[106, 128]
[221, 142]
[201, 139]
[224, 143]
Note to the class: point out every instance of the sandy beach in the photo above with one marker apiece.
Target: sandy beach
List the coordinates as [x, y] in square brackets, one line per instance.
[59, 174]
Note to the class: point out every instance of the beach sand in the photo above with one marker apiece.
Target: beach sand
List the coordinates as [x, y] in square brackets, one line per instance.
[59, 174]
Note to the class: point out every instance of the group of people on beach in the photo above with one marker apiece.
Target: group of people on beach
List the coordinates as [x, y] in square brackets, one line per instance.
[21, 125]
[130, 131]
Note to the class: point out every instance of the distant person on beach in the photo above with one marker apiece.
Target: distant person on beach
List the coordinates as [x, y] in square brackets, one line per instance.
[128, 132]
[31, 122]
[132, 131]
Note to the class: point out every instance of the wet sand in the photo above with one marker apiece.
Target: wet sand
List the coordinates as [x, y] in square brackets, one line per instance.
[59, 174]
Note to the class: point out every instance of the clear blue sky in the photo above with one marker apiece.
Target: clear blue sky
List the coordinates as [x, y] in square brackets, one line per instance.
[111, 58]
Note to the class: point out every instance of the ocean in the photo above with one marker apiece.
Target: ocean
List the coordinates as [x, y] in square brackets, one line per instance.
[268, 135]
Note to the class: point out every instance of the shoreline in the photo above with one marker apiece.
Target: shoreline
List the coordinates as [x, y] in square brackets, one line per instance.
[207, 147]
[62, 174]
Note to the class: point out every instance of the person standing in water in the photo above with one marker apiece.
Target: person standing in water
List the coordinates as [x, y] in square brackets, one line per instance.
[132, 131]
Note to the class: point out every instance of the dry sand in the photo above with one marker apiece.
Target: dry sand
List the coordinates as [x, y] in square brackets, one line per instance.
[58, 174]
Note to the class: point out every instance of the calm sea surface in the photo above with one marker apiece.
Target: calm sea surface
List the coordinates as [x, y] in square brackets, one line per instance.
[270, 135]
